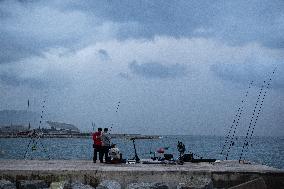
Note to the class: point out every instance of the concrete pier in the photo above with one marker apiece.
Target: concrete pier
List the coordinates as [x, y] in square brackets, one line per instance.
[223, 174]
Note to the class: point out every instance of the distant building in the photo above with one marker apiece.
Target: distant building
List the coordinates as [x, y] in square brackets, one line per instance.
[62, 128]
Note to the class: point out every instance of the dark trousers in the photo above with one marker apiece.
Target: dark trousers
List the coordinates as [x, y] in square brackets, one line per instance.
[105, 151]
[98, 149]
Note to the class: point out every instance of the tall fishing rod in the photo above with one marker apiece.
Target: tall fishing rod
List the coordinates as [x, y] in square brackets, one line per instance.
[236, 122]
[255, 114]
[117, 107]
[236, 119]
[116, 111]
[35, 137]
[42, 113]
[28, 107]
[93, 126]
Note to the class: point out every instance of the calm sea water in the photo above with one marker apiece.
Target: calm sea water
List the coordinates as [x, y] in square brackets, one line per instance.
[264, 150]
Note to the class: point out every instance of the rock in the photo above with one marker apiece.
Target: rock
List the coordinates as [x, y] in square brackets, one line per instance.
[161, 186]
[147, 186]
[139, 185]
[197, 183]
[258, 183]
[59, 185]
[6, 184]
[78, 185]
[32, 184]
[109, 184]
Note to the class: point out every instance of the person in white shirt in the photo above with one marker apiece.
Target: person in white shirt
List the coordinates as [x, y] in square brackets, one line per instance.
[114, 154]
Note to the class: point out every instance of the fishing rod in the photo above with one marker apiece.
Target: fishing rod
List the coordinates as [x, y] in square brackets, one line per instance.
[42, 113]
[116, 111]
[117, 107]
[93, 126]
[28, 106]
[255, 114]
[34, 136]
[27, 111]
[236, 119]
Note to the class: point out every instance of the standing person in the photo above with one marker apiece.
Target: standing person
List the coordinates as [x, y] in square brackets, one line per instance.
[98, 145]
[105, 143]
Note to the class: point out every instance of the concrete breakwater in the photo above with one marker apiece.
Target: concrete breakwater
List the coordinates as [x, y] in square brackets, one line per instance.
[224, 174]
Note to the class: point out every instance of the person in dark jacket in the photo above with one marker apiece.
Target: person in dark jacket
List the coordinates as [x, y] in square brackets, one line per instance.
[98, 146]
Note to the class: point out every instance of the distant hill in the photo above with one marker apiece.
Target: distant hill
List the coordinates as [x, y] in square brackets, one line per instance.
[19, 117]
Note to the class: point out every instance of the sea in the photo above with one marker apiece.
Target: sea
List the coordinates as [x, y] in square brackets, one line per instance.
[263, 150]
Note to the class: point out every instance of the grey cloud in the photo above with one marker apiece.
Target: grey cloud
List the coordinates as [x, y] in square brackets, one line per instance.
[52, 79]
[14, 48]
[30, 27]
[246, 72]
[13, 80]
[157, 70]
[236, 22]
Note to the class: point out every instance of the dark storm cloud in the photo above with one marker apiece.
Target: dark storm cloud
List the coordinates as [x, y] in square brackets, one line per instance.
[157, 70]
[246, 72]
[29, 27]
[234, 21]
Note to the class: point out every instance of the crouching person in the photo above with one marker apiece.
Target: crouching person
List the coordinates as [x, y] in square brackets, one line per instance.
[114, 154]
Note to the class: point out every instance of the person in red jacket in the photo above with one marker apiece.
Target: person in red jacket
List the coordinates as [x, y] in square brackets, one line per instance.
[98, 145]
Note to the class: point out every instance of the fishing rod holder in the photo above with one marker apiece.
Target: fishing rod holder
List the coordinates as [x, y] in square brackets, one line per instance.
[136, 158]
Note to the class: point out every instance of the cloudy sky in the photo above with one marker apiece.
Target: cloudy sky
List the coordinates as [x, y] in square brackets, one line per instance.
[176, 67]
